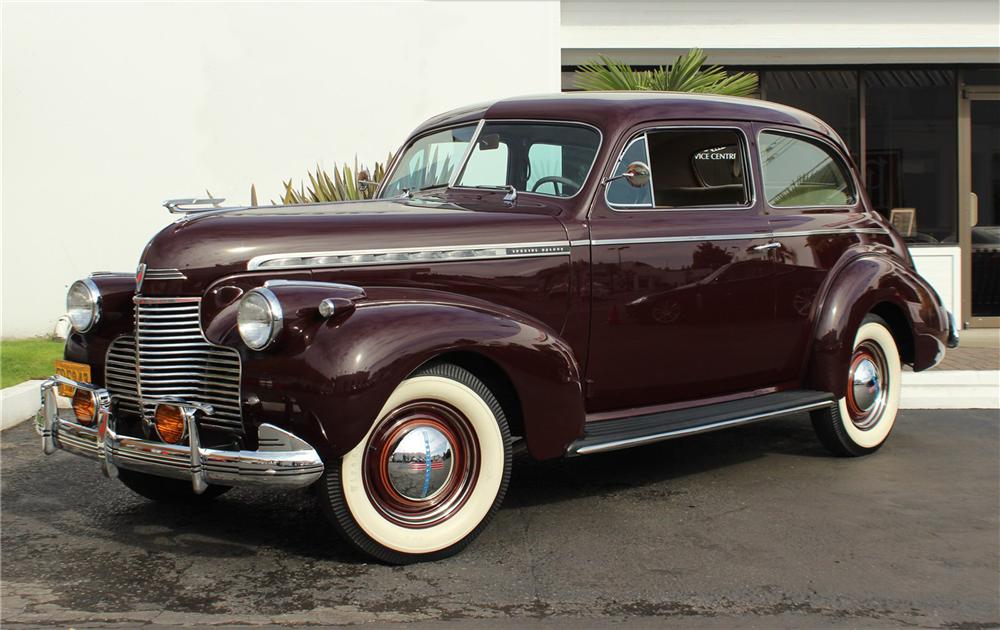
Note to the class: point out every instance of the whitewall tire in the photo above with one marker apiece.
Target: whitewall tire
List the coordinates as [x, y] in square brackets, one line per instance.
[861, 421]
[429, 475]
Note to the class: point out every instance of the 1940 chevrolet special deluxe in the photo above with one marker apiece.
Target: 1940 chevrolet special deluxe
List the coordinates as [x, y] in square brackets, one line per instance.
[566, 274]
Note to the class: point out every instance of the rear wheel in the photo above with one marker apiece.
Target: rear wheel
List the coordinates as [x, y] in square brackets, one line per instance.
[429, 475]
[861, 421]
[166, 490]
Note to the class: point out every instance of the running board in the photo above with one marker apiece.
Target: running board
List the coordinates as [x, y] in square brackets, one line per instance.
[611, 435]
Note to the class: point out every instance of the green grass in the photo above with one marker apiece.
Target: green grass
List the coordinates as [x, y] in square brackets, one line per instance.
[24, 359]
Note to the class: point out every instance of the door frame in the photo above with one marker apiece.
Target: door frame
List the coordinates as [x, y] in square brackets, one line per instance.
[967, 94]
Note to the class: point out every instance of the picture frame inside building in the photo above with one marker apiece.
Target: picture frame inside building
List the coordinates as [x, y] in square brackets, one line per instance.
[904, 220]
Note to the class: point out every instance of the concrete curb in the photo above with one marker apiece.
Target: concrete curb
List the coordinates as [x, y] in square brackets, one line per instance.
[951, 389]
[19, 403]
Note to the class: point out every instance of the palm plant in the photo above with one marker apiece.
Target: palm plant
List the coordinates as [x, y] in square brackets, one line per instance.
[685, 75]
[346, 185]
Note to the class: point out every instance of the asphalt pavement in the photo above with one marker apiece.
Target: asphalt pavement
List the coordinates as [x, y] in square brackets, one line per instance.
[754, 527]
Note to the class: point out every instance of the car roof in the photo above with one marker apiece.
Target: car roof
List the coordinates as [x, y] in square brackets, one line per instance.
[617, 111]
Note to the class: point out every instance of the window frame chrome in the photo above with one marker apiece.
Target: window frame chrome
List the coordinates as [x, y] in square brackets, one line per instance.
[747, 172]
[837, 151]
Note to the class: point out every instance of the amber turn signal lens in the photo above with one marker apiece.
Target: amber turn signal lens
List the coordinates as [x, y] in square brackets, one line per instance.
[170, 423]
[85, 407]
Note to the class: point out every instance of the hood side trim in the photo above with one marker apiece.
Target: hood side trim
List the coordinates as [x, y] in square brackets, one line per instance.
[407, 255]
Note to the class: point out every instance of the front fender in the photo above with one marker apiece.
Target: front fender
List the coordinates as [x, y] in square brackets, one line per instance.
[329, 383]
[854, 290]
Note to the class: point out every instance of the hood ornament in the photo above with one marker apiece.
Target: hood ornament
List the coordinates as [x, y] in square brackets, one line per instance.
[192, 205]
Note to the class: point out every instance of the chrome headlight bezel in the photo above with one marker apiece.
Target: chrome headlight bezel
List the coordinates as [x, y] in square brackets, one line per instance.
[258, 332]
[91, 307]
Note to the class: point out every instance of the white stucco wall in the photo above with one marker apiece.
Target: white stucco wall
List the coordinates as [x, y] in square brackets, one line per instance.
[110, 108]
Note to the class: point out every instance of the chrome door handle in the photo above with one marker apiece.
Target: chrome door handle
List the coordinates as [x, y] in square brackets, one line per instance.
[760, 248]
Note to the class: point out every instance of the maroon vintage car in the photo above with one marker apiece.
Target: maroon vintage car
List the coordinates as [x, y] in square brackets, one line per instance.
[566, 274]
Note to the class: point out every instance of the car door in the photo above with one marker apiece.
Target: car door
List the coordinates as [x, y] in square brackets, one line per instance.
[682, 286]
[816, 213]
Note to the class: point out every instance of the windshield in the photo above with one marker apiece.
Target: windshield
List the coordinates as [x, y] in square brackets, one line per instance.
[430, 161]
[544, 158]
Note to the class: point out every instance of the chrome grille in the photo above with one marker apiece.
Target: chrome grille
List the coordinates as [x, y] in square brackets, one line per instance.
[175, 361]
[120, 373]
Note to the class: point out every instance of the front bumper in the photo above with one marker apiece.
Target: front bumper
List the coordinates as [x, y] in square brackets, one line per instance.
[284, 460]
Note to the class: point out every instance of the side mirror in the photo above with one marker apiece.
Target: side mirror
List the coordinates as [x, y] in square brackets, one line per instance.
[636, 174]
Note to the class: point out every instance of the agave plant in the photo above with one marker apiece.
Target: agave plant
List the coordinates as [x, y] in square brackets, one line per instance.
[687, 74]
[347, 184]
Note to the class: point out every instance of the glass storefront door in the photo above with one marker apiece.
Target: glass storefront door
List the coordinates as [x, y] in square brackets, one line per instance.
[980, 148]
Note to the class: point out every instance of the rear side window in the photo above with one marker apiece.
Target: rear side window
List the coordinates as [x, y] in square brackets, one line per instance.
[801, 172]
[689, 168]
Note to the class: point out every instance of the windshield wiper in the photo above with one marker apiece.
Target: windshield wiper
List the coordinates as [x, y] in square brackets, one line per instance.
[429, 186]
[510, 197]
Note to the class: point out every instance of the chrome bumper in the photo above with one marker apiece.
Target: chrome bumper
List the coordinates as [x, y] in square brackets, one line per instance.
[283, 460]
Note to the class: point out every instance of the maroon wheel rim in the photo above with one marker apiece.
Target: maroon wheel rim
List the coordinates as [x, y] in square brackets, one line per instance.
[394, 471]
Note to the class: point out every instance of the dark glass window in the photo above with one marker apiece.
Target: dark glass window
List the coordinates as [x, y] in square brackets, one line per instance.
[832, 95]
[911, 159]
[689, 168]
[799, 172]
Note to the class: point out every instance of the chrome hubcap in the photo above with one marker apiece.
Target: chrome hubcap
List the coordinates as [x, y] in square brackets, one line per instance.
[420, 463]
[866, 384]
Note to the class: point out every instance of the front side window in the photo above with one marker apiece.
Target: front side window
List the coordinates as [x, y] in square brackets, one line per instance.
[544, 158]
[429, 161]
[689, 168]
[801, 172]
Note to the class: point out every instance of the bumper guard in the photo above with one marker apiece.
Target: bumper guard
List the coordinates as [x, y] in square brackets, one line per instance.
[284, 460]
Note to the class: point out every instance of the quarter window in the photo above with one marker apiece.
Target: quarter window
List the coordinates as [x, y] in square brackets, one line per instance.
[801, 172]
[689, 168]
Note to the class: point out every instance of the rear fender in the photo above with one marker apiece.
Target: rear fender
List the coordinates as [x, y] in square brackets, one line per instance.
[863, 283]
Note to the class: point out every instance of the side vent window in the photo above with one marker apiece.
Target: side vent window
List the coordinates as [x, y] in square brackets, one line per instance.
[623, 194]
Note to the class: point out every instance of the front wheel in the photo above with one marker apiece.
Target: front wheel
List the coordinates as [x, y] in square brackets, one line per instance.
[429, 475]
[861, 421]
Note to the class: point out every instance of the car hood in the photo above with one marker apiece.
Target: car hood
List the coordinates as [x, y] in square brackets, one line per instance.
[208, 246]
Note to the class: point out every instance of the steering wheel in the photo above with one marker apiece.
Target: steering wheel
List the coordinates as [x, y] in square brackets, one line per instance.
[554, 179]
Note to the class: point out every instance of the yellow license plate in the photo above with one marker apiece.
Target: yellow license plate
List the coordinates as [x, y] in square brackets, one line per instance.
[76, 371]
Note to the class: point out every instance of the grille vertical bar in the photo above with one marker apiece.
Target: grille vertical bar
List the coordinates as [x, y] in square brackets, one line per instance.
[171, 358]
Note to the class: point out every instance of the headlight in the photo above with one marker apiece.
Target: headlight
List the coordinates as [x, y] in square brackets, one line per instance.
[259, 318]
[83, 305]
